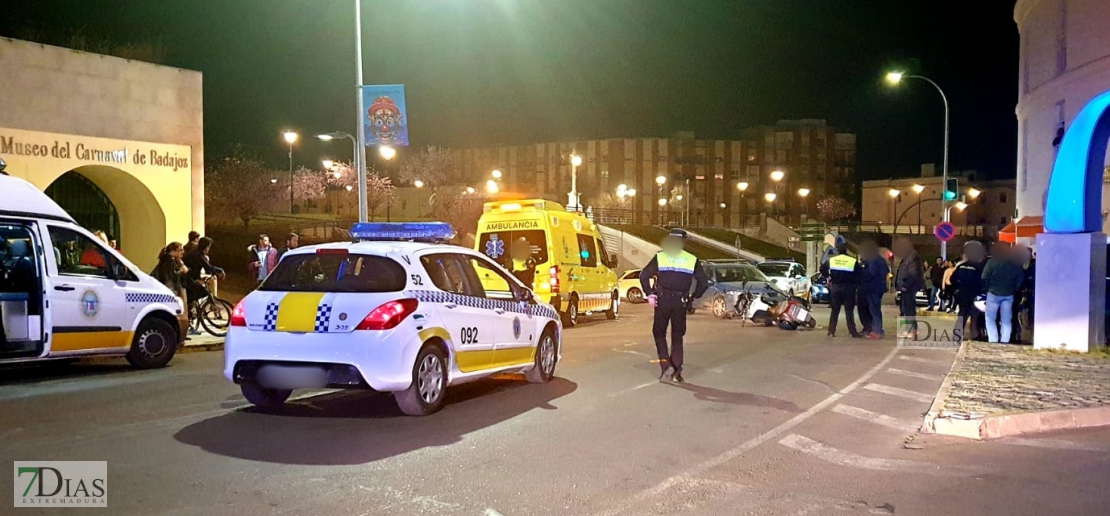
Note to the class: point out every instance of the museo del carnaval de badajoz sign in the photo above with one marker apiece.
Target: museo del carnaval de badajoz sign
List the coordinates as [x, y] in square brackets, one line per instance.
[90, 150]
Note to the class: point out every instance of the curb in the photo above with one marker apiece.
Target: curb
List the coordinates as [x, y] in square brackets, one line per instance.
[197, 348]
[929, 424]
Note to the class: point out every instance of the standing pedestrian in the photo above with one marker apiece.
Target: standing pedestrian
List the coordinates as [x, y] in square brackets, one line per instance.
[948, 292]
[936, 284]
[909, 281]
[170, 269]
[967, 282]
[292, 241]
[1002, 279]
[263, 258]
[843, 270]
[674, 270]
[873, 278]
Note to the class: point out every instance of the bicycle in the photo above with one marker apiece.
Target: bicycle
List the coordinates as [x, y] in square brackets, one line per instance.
[210, 312]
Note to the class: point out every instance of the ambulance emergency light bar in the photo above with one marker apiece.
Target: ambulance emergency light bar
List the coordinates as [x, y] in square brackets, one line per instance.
[432, 232]
[522, 205]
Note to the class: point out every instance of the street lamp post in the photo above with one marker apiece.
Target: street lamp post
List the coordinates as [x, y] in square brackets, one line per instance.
[894, 195]
[895, 78]
[290, 138]
[743, 187]
[575, 161]
[917, 189]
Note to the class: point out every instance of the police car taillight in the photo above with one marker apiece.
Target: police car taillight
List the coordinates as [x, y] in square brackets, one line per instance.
[554, 279]
[239, 315]
[389, 315]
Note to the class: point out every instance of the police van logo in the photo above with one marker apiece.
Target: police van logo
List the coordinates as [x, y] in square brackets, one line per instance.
[495, 247]
[90, 303]
[516, 327]
[343, 316]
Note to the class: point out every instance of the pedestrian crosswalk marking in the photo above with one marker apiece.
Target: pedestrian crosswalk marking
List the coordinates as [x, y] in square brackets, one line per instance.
[922, 360]
[874, 417]
[915, 374]
[895, 391]
[852, 460]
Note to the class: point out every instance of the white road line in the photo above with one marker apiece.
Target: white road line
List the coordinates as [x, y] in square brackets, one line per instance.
[632, 389]
[874, 417]
[1056, 444]
[902, 393]
[924, 360]
[851, 460]
[915, 374]
[748, 445]
[492, 512]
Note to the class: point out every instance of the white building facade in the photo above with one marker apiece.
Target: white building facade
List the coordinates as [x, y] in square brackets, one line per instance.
[1065, 62]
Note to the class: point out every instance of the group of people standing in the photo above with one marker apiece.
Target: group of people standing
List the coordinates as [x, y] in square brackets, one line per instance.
[1006, 277]
[856, 283]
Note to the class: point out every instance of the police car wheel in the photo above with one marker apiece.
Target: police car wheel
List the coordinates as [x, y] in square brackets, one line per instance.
[614, 306]
[154, 344]
[429, 384]
[264, 397]
[546, 355]
[635, 295]
[570, 316]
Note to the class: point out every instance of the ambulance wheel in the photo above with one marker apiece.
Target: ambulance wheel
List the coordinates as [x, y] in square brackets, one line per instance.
[429, 383]
[264, 397]
[154, 344]
[570, 315]
[546, 356]
[635, 295]
[614, 306]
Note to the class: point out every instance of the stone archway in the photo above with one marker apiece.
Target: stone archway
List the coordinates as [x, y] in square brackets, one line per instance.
[142, 222]
[1074, 200]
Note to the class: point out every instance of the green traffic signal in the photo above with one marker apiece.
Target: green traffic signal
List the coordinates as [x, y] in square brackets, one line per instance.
[951, 189]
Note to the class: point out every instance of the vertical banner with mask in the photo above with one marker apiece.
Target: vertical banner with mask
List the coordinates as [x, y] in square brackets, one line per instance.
[385, 121]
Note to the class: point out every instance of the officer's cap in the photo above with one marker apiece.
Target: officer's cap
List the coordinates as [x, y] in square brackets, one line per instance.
[676, 232]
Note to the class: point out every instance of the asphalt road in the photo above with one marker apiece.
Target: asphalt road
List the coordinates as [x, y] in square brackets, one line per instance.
[770, 422]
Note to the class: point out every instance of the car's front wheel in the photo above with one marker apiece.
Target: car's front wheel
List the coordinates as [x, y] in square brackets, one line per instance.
[154, 344]
[547, 354]
[720, 306]
[429, 383]
[635, 295]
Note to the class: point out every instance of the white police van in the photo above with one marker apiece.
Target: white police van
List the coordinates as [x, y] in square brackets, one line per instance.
[394, 310]
[64, 293]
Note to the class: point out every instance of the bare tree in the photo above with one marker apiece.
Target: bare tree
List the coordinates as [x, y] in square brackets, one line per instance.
[379, 192]
[434, 166]
[309, 184]
[239, 188]
[450, 204]
[832, 208]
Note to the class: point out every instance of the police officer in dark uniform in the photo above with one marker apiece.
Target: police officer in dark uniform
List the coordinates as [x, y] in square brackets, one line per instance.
[842, 269]
[523, 266]
[674, 271]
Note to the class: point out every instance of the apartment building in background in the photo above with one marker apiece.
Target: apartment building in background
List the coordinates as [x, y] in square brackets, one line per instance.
[809, 153]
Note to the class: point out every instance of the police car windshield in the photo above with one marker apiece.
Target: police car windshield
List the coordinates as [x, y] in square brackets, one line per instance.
[498, 245]
[775, 268]
[335, 273]
[737, 273]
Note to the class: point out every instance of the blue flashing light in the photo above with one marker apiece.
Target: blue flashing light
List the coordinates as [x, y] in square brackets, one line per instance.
[403, 231]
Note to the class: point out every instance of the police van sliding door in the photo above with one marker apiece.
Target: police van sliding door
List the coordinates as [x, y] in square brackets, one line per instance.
[87, 305]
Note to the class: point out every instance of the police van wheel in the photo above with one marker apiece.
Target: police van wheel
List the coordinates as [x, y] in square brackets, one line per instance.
[264, 397]
[154, 344]
[429, 383]
[546, 355]
[570, 315]
[614, 306]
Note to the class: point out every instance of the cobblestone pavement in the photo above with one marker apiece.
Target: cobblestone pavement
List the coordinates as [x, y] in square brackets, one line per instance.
[998, 379]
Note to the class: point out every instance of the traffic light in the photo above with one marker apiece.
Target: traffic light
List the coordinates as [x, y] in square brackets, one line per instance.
[951, 189]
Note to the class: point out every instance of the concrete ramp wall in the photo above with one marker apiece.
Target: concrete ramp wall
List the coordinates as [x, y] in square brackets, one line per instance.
[633, 252]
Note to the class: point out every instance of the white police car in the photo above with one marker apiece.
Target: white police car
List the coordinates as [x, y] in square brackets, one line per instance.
[393, 311]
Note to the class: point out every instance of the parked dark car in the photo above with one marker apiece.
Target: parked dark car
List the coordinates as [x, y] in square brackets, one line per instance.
[819, 288]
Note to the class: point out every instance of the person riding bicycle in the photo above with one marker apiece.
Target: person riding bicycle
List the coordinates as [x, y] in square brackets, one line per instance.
[197, 261]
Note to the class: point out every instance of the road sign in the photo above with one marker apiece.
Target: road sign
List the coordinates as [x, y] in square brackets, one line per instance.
[944, 231]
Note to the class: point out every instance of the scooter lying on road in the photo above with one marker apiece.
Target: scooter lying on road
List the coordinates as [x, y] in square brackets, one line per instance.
[791, 314]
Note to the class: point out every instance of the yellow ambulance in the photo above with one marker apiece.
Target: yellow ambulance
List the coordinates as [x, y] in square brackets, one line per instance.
[558, 253]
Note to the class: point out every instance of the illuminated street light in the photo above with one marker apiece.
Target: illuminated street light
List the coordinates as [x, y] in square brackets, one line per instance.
[496, 174]
[576, 160]
[328, 164]
[662, 202]
[973, 193]
[387, 152]
[742, 186]
[777, 175]
[631, 192]
[893, 192]
[273, 180]
[893, 78]
[917, 189]
[960, 205]
[803, 192]
[770, 196]
[491, 186]
[660, 180]
[418, 183]
[290, 138]
[723, 205]
[470, 189]
[349, 188]
[678, 197]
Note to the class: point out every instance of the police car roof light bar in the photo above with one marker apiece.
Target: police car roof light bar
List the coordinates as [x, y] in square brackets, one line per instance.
[432, 232]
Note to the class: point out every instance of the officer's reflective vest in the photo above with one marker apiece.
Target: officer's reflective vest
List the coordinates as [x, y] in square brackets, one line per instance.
[683, 262]
[843, 263]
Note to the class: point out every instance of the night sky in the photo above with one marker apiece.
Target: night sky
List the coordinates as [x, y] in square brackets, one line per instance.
[485, 72]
